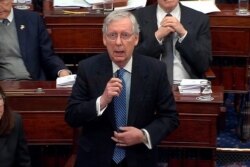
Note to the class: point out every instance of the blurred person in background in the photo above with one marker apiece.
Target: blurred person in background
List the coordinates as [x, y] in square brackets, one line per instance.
[25, 47]
[190, 30]
[13, 146]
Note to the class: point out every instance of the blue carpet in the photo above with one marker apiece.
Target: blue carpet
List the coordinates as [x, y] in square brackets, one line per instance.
[229, 137]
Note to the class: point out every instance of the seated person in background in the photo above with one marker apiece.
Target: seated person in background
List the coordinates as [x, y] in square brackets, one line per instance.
[13, 146]
[191, 37]
[125, 117]
[38, 5]
[25, 47]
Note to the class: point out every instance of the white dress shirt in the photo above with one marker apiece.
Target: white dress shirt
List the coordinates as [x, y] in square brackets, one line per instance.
[127, 77]
[179, 71]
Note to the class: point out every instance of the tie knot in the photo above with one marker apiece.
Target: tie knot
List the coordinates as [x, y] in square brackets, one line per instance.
[168, 14]
[120, 72]
[5, 22]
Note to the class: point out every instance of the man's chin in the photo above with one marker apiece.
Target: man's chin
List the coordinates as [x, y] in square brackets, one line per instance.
[119, 56]
[119, 59]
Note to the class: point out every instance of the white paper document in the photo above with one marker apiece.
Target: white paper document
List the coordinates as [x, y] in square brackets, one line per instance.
[94, 1]
[191, 86]
[192, 82]
[204, 6]
[73, 3]
[133, 4]
[66, 81]
[189, 90]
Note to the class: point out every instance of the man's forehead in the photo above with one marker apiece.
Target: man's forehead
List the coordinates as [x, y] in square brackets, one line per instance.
[120, 24]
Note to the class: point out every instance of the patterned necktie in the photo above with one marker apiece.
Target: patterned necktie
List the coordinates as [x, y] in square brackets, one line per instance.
[5, 22]
[120, 115]
[168, 55]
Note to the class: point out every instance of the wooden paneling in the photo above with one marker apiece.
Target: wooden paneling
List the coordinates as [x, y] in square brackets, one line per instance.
[81, 34]
[77, 33]
[231, 48]
[43, 114]
[239, 44]
[42, 111]
[42, 107]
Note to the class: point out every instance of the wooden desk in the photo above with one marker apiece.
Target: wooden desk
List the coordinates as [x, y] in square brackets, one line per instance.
[76, 33]
[196, 116]
[43, 114]
[232, 31]
[230, 45]
[81, 34]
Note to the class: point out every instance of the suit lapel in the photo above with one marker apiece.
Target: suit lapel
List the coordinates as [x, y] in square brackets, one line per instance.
[138, 82]
[186, 19]
[150, 20]
[138, 85]
[21, 27]
[104, 73]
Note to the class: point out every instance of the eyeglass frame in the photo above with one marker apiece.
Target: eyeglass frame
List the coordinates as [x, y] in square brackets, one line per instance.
[123, 35]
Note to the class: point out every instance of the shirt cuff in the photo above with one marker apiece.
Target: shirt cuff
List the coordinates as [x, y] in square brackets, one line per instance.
[147, 142]
[159, 41]
[98, 107]
[182, 38]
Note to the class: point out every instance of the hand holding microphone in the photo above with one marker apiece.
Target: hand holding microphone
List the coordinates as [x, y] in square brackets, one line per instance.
[113, 88]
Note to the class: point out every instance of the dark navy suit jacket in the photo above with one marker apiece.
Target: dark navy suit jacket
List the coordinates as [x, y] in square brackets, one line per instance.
[151, 106]
[36, 46]
[195, 49]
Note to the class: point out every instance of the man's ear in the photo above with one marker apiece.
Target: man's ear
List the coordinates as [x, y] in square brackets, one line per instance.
[136, 40]
[104, 40]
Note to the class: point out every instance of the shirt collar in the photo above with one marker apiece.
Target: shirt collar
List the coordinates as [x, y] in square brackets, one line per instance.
[10, 17]
[160, 14]
[128, 66]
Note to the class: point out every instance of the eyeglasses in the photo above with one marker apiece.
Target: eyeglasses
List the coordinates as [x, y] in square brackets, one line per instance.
[124, 35]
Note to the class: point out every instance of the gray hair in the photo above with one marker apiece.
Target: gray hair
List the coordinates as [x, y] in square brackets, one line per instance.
[117, 15]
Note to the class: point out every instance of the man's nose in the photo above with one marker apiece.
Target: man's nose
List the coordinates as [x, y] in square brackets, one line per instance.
[118, 40]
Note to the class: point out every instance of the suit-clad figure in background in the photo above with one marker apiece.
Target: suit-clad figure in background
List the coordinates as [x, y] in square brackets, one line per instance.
[192, 41]
[13, 146]
[25, 47]
[150, 108]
